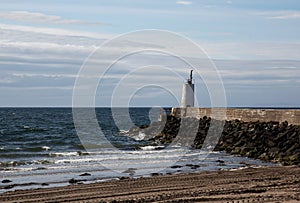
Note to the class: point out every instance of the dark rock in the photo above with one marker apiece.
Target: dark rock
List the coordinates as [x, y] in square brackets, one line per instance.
[73, 181]
[195, 167]
[176, 166]
[268, 141]
[271, 143]
[9, 187]
[6, 181]
[85, 174]
[144, 126]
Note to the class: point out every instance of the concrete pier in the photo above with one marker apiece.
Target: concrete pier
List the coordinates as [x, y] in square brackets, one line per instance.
[292, 116]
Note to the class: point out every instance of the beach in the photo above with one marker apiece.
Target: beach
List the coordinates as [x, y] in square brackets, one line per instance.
[264, 184]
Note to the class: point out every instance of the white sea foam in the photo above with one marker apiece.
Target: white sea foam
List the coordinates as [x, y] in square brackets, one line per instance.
[123, 132]
[64, 154]
[148, 148]
[140, 136]
[46, 148]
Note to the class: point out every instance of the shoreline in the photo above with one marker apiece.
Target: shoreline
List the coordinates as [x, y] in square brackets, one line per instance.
[84, 175]
[264, 184]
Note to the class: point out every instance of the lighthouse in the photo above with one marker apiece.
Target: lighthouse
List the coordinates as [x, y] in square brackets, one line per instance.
[187, 99]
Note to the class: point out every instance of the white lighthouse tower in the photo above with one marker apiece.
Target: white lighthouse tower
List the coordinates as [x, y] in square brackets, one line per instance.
[188, 89]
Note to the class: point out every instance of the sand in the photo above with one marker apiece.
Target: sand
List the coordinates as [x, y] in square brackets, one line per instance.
[268, 184]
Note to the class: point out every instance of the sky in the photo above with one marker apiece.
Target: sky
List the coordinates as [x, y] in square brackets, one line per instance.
[253, 45]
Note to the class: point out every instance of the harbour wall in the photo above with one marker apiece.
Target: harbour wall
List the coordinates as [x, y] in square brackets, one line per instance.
[292, 116]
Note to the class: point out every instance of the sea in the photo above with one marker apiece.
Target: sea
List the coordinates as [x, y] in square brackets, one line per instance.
[41, 147]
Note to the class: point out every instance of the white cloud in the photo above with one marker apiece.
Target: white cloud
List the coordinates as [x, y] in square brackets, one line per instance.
[280, 15]
[260, 50]
[259, 72]
[31, 17]
[53, 31]
[287, 15]
[182, 2]
[46, 46]
[46, 75]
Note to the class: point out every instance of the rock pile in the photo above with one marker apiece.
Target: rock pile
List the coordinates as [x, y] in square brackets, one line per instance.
[268, 141]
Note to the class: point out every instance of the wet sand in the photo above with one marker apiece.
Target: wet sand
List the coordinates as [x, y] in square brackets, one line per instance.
[268, 184]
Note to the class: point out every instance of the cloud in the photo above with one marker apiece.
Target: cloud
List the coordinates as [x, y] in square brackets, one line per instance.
[260, 50]
[24, 46]
[33, 60]
[51, 31]
[259, 70]
[280, 15]
[287, 15]
[182, 2]
[32, 17]
[32, 75]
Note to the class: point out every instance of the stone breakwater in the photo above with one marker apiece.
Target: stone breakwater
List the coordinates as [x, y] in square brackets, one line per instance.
[292, 116]
[269, 141]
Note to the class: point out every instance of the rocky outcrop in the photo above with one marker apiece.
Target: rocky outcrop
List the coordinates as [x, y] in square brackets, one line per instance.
[268, 141]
